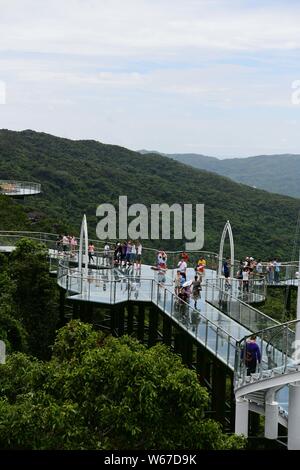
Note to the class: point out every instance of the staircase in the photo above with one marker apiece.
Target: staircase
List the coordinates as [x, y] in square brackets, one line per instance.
[279, 369]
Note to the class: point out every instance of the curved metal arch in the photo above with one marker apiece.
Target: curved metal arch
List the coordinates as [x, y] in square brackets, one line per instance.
[227, 229]
[84, 239]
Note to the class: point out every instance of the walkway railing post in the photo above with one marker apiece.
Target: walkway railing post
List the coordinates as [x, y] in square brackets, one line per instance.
[217, 340]
[228, 350]
[206, 332]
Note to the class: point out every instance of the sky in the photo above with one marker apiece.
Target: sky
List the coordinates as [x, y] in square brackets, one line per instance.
[216, 77]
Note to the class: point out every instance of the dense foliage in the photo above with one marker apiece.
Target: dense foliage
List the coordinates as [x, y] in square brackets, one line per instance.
[105, 393]
[77, 176]
[28, 300]
[277, 306]
[274, 173]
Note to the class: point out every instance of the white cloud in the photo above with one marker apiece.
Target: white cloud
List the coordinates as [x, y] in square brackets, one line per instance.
[212, 76]
[136, 27]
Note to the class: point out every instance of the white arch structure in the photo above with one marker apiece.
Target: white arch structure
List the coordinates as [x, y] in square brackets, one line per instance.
[83, 244]
[227, 229]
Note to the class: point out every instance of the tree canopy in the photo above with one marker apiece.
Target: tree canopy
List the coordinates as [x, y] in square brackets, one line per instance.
[28, 300]
[100, 392]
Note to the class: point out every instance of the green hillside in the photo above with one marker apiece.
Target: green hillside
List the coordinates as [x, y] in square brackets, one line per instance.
[275, 173]
[77, 176]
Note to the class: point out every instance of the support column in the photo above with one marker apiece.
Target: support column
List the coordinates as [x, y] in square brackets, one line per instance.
[121, 318]
[294, 417]
[153, 326]
[75, 310]
[218, 391]
[294, 390]
[167, 330]
[271, 416]
[129, 318]
[114, 321]
[188, 350]
[141, 322]
[61, 306]
[241, 416]
[201, 365]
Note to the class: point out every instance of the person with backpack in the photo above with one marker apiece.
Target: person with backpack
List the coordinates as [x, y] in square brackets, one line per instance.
[252, 355]
[196, 288]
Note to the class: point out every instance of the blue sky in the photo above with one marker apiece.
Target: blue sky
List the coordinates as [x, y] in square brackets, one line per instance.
[194, 76]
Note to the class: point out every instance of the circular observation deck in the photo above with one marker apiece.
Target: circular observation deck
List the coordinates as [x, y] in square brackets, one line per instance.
[19, 188]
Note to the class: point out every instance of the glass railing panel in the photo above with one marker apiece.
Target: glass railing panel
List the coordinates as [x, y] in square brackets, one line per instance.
[223, 345]
[169, 302]
[212, 337]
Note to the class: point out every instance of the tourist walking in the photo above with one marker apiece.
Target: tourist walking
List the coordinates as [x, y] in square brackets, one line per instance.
[139, 249]
[252, 355]
[91, 251]
[196, 288]
[182, 267]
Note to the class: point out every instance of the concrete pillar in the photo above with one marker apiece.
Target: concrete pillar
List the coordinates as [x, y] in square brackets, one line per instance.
[218, 391]
[167, 330]
[241, 416]
[141, 322]
[129, 318]
[121, 326]
[294, 417]
[271, 415]
[153, 326]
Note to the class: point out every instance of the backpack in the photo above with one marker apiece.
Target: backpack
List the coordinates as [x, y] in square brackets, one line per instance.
[249, 356]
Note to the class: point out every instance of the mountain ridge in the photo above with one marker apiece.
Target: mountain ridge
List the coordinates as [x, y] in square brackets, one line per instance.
[77, 176]
[278, 173]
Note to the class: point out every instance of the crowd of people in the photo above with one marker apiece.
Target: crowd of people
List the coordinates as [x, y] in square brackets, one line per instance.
[250, 267]
[66, 243]
[184, 289]
[128, 253]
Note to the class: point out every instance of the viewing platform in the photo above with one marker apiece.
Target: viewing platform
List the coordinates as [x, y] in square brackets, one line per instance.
[19, 188]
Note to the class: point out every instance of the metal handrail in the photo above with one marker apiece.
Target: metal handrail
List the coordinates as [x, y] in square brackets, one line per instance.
[243, 303]
[171, 252]
[13, 187]
[263, 330]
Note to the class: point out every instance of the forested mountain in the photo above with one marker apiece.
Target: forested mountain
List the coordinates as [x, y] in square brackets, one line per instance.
[77, 176]
[275, 173]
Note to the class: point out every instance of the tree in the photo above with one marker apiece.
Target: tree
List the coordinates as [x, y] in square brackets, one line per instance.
[34, 296]
[100, 392]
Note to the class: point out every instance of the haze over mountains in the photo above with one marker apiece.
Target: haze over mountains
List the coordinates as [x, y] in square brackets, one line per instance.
[77, 176]
[275, 173]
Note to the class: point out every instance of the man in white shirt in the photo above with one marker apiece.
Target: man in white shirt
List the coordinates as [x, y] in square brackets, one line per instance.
[182, 267]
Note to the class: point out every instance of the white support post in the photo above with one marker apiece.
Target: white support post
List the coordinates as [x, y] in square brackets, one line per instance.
[227, 228]
[271, 415]
[84, 238]
[294, 417]
[294, 390]
[241, 416]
